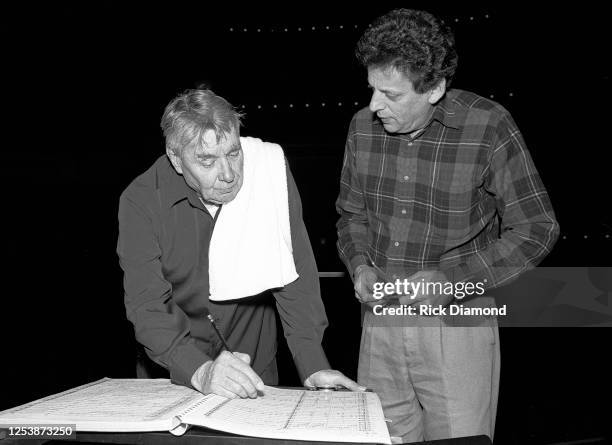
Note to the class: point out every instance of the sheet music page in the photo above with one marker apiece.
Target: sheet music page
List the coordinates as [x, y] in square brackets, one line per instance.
[340, 416]
[123, 404]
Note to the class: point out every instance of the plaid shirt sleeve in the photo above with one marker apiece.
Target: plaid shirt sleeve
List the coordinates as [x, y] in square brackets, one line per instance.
[353, 223]
[528, 228]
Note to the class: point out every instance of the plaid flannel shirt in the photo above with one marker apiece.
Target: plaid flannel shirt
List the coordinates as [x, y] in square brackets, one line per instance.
[462, 197]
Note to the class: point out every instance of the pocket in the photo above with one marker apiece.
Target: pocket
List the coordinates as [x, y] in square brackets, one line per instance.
[454, 187]
[365, 358]
[453, 199]
[493, 330]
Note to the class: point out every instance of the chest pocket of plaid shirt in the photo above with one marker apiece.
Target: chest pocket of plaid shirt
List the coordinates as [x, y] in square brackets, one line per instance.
[455, 191]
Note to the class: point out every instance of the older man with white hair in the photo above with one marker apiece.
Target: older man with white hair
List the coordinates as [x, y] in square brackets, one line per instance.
[212, 227]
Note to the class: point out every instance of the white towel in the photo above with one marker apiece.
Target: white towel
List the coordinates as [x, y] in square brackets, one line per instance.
[250, 250]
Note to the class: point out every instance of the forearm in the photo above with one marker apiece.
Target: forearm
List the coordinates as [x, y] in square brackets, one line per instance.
[159, 324]
[164, 330]
[352, 225]
[507, 258]
[352, 239]
[303, 318]
[299, 303]
[172, 347]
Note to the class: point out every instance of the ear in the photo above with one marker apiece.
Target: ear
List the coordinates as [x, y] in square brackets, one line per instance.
[175, 160]
[436, 93]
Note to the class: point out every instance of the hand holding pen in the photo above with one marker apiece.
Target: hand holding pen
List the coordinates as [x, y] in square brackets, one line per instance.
[365, 278]
[230, 374]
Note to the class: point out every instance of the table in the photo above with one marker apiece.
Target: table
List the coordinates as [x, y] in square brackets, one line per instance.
[203, 436]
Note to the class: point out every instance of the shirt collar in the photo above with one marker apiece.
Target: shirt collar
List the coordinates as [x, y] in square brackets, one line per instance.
[173, 185]
[446, 113]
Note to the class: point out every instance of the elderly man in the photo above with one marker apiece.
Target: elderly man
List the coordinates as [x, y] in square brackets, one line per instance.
[210, 228]
[437, 188]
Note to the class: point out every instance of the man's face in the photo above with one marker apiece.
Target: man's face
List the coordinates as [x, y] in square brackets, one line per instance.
[397, 105]
[214, 170]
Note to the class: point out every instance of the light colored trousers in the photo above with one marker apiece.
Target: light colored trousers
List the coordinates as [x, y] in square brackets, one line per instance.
[434, 381]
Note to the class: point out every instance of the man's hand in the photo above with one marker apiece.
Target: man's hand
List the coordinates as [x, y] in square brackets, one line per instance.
[331, 378]
[422, 296]
[229, 375]
[365, 277]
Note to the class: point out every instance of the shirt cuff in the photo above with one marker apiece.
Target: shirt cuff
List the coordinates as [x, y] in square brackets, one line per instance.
[309, 360]
[465, 273]
[356, 261]
[185, 360]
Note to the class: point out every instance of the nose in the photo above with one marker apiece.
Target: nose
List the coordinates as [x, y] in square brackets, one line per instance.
[226, 174]
[376, 102]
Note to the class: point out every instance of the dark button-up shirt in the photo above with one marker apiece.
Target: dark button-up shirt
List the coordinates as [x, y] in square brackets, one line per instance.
[463, 196]
[164, 237]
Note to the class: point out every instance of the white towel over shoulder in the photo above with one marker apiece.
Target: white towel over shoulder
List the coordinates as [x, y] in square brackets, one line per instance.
[250, 250]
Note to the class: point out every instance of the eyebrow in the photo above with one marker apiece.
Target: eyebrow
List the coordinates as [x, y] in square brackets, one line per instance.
[385, 90]
[206, 156]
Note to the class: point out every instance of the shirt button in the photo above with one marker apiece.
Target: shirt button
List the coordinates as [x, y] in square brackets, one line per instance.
[406, 178]
[396, 244]
[403, 211]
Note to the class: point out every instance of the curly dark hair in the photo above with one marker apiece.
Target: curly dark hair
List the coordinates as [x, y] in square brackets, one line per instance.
[414, 42]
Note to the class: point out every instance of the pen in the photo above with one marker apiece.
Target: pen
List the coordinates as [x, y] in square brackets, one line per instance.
[214, 325]
[378, 270]
[225, 346]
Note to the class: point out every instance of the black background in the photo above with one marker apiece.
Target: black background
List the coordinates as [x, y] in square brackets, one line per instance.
[83, 92]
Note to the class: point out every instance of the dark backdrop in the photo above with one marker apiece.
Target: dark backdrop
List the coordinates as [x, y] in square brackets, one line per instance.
[84, 89]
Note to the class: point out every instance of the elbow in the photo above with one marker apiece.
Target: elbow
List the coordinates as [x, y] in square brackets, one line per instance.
[555, 232]
[544, 243]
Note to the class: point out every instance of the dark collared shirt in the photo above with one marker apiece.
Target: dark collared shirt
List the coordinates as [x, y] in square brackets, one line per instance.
[164, 237]
[463, 196]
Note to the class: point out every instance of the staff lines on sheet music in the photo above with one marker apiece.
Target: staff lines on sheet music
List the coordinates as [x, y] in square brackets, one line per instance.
[110, 400]
[302, 410]
[333, 411]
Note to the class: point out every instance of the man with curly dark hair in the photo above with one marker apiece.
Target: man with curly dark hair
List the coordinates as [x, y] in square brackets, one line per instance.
[437, 190]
